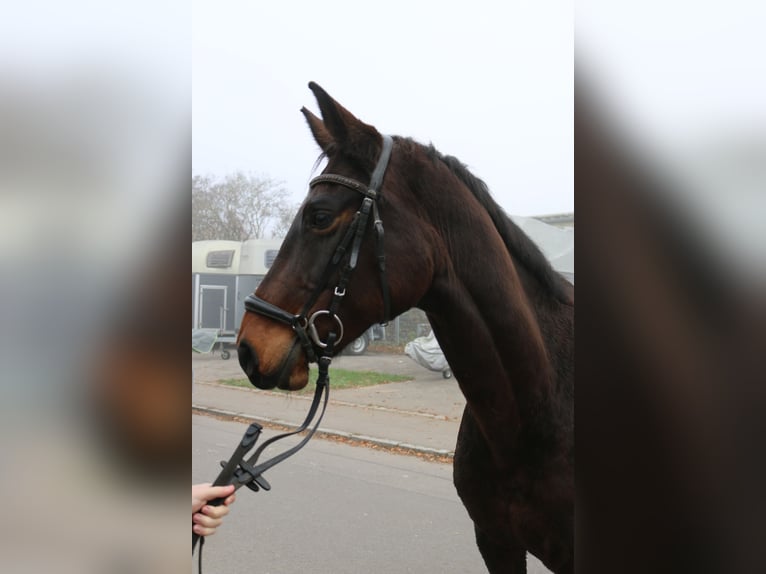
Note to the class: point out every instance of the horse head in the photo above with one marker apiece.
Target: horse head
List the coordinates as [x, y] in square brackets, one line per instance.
[335, 272]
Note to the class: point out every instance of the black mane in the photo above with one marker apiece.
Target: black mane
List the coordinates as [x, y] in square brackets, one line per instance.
[518, 243]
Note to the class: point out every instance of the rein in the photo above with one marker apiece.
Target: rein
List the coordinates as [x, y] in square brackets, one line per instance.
[248, 473]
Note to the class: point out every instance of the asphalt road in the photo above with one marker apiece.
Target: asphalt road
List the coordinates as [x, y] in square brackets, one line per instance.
[338, 509]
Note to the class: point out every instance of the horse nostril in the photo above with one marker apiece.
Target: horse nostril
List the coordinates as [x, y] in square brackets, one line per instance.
[248, 360]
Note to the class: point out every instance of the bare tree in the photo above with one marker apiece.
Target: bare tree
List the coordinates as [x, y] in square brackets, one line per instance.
[283, 220]
[241, 206]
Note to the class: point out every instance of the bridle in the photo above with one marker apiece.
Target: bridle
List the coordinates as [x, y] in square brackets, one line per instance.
[304, 325]
[236, 470]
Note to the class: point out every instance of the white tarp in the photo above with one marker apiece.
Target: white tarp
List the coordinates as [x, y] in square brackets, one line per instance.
[555, 243]
[203, 340]
[425, 351]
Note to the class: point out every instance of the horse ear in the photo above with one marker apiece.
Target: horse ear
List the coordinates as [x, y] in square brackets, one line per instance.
[353, 136]
[318, 130]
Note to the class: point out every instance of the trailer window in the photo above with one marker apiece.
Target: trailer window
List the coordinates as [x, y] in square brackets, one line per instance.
[271, 254]
[220, 259]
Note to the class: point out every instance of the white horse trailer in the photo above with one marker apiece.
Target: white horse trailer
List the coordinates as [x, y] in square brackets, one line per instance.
[215, 265]
[223, 274]
[255, 260]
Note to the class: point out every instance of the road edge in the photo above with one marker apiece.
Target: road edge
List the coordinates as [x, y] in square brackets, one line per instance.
[356, 439]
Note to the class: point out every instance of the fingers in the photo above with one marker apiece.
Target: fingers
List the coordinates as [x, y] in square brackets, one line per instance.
[204, 525]
[206, 518]
[207, 521]
[203, 493]
[214, 512]
[197, 529]
[210, 492]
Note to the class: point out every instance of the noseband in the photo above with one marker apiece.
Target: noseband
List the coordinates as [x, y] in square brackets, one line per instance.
[303, 324]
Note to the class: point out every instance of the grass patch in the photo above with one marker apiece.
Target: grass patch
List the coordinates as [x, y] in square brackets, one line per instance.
[339, 379]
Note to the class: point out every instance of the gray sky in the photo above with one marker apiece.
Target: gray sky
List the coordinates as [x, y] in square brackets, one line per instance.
[488, 82]
[677, 72]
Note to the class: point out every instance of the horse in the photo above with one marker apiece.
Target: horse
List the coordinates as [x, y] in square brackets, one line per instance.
[503, 317]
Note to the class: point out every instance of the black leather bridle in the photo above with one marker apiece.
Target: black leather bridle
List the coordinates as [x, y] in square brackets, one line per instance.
[303, 324]
[236, 470]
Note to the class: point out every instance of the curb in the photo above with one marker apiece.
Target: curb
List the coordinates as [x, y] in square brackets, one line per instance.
[330, 433]
[221, 385]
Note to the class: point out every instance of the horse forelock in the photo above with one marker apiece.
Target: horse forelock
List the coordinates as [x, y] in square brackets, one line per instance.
[524, 251]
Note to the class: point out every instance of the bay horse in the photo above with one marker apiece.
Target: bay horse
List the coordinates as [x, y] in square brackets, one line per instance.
[503, 317]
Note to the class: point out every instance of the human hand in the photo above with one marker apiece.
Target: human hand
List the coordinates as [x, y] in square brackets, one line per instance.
[206, 518]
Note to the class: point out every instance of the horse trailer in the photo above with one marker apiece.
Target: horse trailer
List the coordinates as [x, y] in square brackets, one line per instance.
[223, 274]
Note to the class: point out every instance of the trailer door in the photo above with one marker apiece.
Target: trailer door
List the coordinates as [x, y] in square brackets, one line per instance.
[213, 307]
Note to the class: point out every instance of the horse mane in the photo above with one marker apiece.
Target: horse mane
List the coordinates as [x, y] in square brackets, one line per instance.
[518, 243]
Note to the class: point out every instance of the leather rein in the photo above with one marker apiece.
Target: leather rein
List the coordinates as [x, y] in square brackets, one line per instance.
[248, 473]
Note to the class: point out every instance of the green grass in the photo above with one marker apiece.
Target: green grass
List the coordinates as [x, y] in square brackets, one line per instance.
[339, 379]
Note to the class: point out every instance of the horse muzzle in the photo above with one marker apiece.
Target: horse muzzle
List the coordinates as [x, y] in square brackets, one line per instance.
[248, 360]
[290, 375]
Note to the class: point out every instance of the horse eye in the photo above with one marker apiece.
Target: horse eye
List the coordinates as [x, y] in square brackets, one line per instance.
[321, 219]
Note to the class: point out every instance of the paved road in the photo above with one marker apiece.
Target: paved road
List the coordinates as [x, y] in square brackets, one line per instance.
[338, 509]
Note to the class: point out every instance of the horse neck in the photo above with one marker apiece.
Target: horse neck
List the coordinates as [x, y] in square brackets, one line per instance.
[485, 311]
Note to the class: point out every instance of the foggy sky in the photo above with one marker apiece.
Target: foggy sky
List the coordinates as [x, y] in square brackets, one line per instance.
[488, 83]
